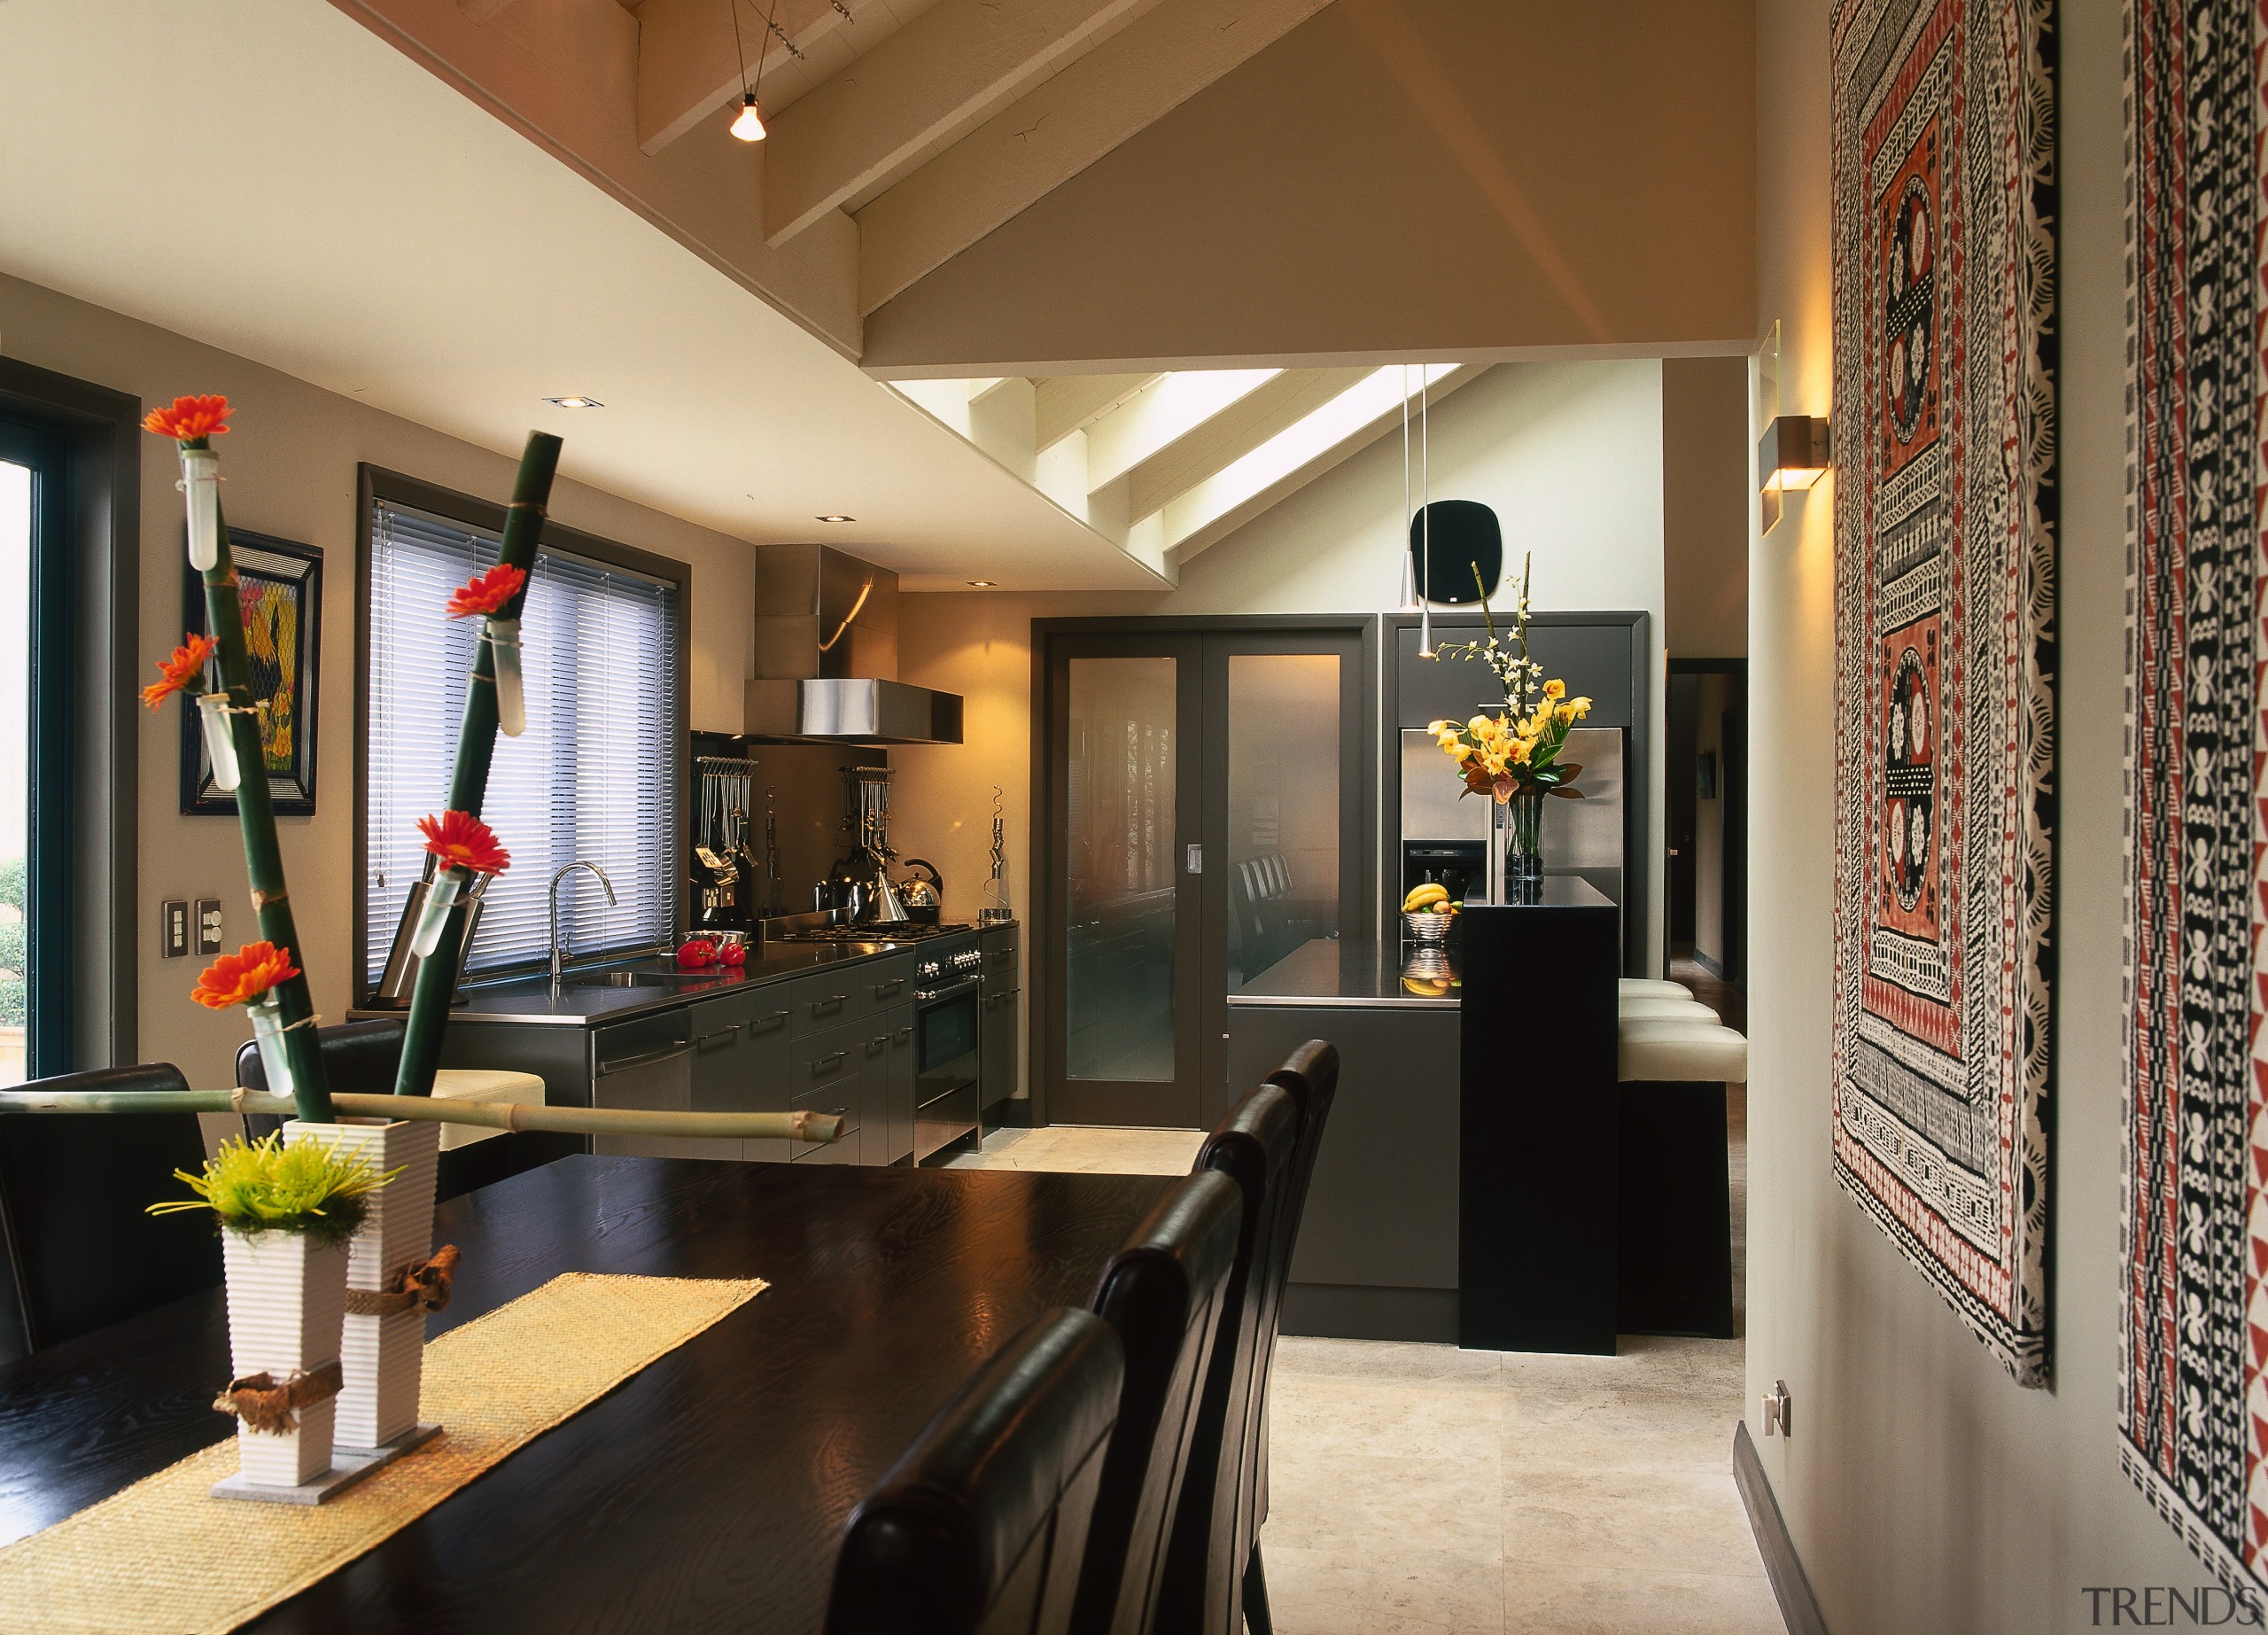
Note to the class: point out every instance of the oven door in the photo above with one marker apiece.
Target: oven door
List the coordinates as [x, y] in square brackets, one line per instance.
[945, 1067]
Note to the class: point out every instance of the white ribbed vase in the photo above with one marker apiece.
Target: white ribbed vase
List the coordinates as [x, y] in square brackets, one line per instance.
[383, 1357]
[287, 1298]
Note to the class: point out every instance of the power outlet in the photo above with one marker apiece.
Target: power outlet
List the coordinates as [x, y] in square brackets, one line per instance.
[208, 925]
[173, 928]
[1779, 1408]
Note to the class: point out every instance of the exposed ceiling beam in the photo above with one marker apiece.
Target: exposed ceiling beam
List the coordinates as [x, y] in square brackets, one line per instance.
[942, 75]
[1238, 429]
[1067, 402]
[1052, 132]
[686, 64]
[1180, 401]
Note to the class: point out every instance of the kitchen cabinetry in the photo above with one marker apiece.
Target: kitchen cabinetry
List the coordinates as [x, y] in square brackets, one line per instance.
[739, 1065]
[1001, 1009]
[645, 1066]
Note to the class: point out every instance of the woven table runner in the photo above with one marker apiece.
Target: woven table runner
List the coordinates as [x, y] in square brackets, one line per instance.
[151, 1558]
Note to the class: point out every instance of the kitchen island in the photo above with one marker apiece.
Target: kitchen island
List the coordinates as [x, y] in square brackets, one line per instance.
[1466, 1189]
[890, 1035]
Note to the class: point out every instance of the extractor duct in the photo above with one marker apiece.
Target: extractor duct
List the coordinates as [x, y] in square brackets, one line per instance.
[827, 656]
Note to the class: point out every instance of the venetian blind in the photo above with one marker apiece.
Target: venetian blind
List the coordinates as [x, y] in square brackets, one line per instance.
[595, 776]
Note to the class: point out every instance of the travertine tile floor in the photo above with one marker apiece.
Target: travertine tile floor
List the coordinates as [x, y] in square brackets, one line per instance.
[1420, 1488]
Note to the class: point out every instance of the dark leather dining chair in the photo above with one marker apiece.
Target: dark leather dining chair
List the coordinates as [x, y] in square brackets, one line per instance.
[1310, 1074]
[359, 1058]
[1163, 1293]
[1214, 1524]
[980, 1526]
[82, 1251]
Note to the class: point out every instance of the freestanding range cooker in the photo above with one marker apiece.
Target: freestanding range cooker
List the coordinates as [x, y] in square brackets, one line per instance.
[946, 1102]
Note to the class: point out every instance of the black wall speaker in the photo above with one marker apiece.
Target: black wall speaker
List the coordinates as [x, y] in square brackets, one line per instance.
[1464, 538]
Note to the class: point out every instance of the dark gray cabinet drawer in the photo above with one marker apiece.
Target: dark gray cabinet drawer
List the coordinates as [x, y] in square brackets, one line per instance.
[740, 1064]
[885, 983]
[827, 1074]
[647, 1066]
[826, 999]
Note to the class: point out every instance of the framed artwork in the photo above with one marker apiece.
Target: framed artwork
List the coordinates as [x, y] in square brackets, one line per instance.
[1943, 176]
[2192, 1400]
[280, 586]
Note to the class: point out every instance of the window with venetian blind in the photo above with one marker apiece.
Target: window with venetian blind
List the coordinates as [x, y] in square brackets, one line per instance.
[594, 777]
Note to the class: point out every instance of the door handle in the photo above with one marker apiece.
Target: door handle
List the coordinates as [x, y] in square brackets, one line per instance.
[625, 1063]
[703, 1042]
[1196, 854]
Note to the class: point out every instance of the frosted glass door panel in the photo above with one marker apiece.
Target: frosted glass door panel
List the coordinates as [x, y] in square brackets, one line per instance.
[1283, 817]
[1122, 865]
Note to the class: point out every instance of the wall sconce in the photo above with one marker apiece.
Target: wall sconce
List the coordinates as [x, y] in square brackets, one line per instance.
[1792, 454]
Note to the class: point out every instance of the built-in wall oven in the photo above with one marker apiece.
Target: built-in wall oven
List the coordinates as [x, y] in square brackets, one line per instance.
[946, 1043]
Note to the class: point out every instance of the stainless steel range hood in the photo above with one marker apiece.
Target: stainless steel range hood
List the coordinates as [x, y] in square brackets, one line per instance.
[827, 656]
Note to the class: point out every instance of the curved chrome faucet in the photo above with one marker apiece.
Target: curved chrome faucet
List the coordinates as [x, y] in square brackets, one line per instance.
[559, 949]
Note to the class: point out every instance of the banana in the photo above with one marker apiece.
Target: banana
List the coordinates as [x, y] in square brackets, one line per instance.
[1423, 895]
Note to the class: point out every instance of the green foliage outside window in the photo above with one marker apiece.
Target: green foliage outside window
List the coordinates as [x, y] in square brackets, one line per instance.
[12, 952]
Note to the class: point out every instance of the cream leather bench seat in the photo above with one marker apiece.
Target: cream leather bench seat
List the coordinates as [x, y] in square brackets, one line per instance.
[1680, 1050]
[1664, 1010]
[1628, 988]
[481, 1084]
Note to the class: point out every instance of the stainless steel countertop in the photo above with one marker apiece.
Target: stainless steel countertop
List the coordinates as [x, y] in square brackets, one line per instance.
[1328, 974]
[532, 1000]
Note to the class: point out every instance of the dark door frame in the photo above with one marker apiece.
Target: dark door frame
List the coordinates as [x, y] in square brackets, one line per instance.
[1732, 773]
[1045, 1014]
[84, 821]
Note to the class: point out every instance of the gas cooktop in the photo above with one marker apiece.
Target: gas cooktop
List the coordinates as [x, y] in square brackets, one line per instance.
[905, 931]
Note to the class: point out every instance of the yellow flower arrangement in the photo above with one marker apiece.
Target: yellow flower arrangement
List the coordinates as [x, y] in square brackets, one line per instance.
[1515, 751]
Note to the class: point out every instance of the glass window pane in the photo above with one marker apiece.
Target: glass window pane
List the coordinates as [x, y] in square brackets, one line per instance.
[1282, 806]
[15, 762]
[1119, 990]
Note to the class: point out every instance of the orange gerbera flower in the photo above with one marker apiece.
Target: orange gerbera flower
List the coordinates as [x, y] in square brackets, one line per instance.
[462, 839]
[181, 669]
[241, 977]
[191, 419]
[486, 593]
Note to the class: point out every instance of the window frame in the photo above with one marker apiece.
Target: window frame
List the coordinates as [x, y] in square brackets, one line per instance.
[84, 826]
[375, 484]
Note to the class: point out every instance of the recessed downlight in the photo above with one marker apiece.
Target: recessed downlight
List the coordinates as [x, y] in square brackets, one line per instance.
[983, 584]
[574, 402]
[836, 517]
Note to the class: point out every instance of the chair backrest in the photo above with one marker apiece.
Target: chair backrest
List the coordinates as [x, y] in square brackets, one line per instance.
[1310, 1074]
[74, 1190]
[1163, 1293]
[1213, 1526]
[980, 1528]
[359, 1058]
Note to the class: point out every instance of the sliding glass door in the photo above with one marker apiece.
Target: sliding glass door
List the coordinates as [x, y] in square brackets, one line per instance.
[1201, 818]
[34, 755]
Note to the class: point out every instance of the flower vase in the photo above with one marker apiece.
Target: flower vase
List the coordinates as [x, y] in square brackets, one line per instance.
[1520, 842]
[382, 1348]
[287, 1299]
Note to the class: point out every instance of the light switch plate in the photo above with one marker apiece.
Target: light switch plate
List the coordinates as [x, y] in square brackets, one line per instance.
[173, 928]
[208, 925]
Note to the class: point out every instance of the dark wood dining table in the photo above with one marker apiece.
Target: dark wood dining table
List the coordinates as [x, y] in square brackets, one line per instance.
[706, 1492]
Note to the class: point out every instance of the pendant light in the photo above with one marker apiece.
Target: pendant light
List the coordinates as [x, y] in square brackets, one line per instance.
[747, 125]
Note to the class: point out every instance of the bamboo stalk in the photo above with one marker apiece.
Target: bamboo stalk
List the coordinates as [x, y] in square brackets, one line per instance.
[429, 1001]
[256, 818]
[514, 1116]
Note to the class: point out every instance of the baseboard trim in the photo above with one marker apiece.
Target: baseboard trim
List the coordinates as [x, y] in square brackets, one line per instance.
[1799, 1606]
[1708, 964]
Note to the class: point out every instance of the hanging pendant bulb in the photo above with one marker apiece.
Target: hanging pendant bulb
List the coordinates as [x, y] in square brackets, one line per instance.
[747, 125]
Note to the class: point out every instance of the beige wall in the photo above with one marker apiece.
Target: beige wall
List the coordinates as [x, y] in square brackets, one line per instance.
[289, 463]
[1713, 694]
[1925, 1491]
[1390, 178]
[1568, 453]
[1704, 506]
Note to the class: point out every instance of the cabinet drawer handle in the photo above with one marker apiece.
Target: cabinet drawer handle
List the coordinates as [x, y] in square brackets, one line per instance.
[703, 1042]
[879, 1043]
[764, 1024]
[828, 1003]
[903, 1035]
[828, 1065]
[625, 1063]
[883, 990]
[1002, 953]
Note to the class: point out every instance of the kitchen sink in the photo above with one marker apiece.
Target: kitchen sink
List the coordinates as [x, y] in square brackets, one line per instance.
[639, 978]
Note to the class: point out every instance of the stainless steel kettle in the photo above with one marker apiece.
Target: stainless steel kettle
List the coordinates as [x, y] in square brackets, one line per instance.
[924, 894]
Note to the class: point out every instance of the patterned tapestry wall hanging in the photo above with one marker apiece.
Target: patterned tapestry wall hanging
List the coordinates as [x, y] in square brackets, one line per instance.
[2194, 1318]
[1945, 536]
